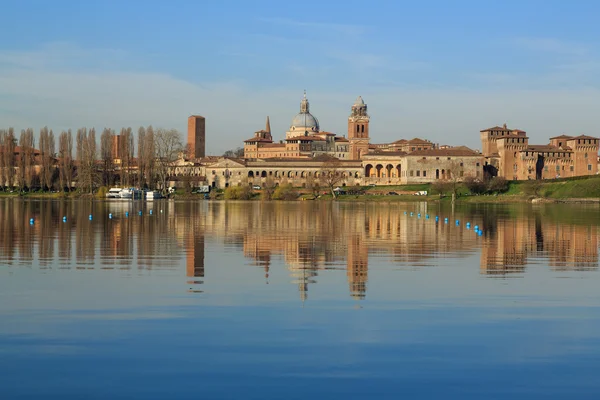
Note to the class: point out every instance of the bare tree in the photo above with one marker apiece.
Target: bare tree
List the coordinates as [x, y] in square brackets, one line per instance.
[25, 170]
[235, 153]
[3, 155]
[107, 156]
[149, 156]
[167, 147]
[312, 184]
[126, 155]
[47, 151]
[331, 175]
[141, 160]
[86, 156]
[65, 166]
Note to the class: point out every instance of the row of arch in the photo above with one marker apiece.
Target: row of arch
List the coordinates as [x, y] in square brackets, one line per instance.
[391, 171]
[297, 174]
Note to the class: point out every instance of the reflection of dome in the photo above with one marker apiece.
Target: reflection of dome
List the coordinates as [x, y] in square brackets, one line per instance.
[304, 120]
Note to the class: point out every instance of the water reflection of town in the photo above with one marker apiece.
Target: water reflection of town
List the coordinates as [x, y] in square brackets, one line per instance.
[306, 238]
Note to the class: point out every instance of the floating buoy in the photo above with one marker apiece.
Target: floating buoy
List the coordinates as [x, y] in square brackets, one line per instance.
[150, 212]
[109, 215]
[411, 214]
[476, 228]
[426, 216]
[457, 222]
[404, 212]
[419, 215]
[445, 220]
[31, 221]
[479, 233]
[139, 212]
[127, 213]
[90, 217]
[437, 218]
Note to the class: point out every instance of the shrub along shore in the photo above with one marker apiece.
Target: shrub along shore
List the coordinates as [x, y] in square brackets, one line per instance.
[497, 190]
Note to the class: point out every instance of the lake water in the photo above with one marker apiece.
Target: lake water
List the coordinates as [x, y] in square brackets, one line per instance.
[216, 300]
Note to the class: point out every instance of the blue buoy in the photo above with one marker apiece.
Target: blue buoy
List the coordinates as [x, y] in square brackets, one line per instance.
[139, 213]
[445, 220]
[411, 214]
[127, 213]
[457, 222]
[150, 212]
[31, 221]
[476, 228]
[479, 233]
[468, 224]
[419, 215]
[64, 219]
[426, 216]
[404, 212]
[90, 217]
[109, 215]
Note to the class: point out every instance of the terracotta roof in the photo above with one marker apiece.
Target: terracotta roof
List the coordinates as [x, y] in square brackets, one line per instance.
[583, 137]
[561, 137]
[326, 133]
[444, 152]
[517, 131]
[256, 139]
[341, 139]
[545, 148]
[400, 141]
[417, 140]
[308, 138]
[495, 128]
[385, 153]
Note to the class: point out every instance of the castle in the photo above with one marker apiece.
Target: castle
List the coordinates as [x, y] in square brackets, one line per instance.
[301, 155]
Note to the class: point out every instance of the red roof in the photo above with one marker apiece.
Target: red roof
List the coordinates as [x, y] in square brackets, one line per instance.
[561, 137]
[306, 138]
[257, 139]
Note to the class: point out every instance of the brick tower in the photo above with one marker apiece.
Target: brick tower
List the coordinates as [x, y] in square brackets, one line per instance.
[196, 136]
[358, 129]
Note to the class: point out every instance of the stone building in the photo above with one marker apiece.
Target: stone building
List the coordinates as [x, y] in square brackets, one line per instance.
[509, 154]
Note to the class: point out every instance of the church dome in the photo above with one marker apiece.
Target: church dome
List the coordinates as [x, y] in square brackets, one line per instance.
[304, 120]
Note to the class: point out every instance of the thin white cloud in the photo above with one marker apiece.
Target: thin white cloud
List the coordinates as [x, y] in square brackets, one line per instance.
[346, 29]
[552, 45]
[62, 98]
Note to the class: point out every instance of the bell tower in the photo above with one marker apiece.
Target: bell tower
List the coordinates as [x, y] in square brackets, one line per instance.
[358, 129]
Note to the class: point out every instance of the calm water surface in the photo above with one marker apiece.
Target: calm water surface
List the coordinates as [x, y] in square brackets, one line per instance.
[215, 300]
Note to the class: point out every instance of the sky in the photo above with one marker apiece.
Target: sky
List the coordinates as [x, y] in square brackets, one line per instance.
[432, 69]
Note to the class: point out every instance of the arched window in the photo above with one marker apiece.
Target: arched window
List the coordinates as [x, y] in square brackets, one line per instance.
[363, 129]
[357, 128]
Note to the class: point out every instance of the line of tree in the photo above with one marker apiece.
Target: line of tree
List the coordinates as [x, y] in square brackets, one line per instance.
[24, 166]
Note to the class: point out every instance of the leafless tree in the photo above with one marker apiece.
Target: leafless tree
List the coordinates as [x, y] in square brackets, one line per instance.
[86, 156]
[25, 170]
[141, 160]
[149, 156]
[236, 153]
[107, 156]
[65, 155]
[6, 151]
[126, 155]
[47, 150]
[331, 175]
[167, 147]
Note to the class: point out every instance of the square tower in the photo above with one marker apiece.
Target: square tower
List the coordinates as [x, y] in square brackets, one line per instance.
[196, 138]
[358, 129]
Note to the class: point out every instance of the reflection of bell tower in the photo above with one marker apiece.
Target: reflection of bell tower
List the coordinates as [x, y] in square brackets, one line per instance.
[357, 268]
[358, 129]
[195, 257]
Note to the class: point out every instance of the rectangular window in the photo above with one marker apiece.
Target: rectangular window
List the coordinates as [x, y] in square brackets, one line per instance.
[437, 158]
[424, 158]
[449, 158]
[571, 168]
[418, 173]
[461, 164]
[589, 167]
[462, 173]
[557, 168]
[424, 173]
[477, 164]
[546, 168]
[411, 173]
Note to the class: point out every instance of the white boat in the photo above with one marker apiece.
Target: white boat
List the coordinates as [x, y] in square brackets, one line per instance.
[131, 193]
[114, 193]
[153, 195]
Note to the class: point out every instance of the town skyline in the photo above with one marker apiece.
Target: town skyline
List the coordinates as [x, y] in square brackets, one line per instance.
[431, 70]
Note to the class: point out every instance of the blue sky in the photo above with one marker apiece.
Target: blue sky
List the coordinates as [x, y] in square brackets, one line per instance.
[433, 69]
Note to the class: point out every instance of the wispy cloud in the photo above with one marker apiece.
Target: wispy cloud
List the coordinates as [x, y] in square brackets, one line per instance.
[551, 45]
[346, 29]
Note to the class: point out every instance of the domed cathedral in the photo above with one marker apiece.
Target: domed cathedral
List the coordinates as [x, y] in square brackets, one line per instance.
[304, 123]
[358, 129]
